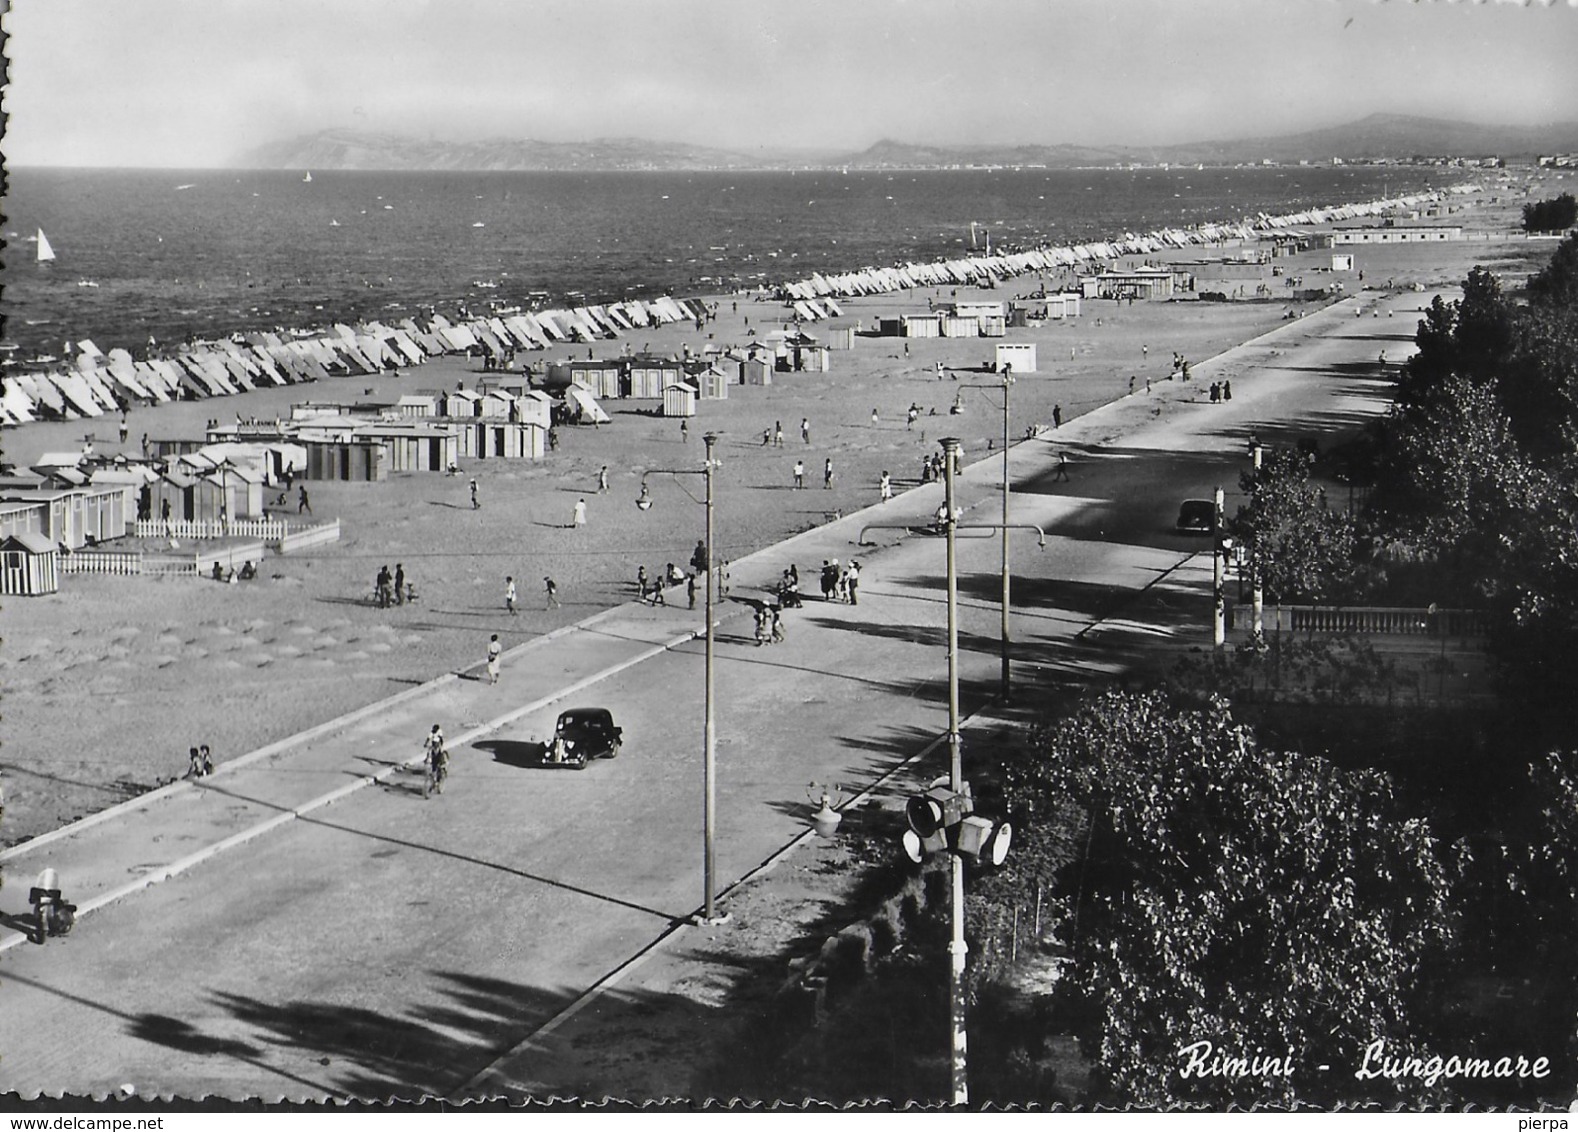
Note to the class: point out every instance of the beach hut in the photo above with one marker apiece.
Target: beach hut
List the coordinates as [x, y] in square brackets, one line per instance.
[841, 334]
[954, 326]
[463, 403]
[418, 405]
[810, 357]
[757, 369]
[922, 325]
[649, 375]
[29, 565]
[679, 400]
[358, 461]
[602, 377]
[1020, 355]
[714, 384]
[24, 516]
[501, 440]
[414, 446]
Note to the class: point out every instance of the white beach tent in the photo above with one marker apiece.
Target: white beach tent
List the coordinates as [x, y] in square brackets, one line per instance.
[584, 406]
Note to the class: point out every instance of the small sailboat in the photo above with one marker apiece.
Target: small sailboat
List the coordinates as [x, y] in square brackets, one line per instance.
[306, 177]
[334, 223]
[45, 252]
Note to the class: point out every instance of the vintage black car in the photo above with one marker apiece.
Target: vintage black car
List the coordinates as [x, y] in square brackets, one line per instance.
[582, 734]
[1197, 516]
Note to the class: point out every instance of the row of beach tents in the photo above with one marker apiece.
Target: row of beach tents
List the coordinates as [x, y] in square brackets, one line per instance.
[819, 288]
[97, 383]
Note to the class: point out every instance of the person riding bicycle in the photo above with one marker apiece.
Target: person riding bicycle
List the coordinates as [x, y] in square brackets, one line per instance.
[437, 752]
[437, 761]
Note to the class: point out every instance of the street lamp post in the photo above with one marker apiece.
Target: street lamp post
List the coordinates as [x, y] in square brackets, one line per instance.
[958, 949]
[1257, 597]
[1006, 636]
[1219, 599]
[709, 912]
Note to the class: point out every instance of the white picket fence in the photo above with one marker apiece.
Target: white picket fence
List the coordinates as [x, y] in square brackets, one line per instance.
[304, 537]
[101, 562]
[269, 530]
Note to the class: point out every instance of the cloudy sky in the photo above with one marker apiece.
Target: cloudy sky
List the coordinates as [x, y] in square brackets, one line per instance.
[194, 82]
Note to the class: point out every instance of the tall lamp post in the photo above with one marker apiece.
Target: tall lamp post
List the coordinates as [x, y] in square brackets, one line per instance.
[1006, 634]
[958, 949]
[709, 911]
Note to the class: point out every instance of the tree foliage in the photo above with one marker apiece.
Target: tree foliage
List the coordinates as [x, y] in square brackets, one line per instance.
[1478, 468]
[1268, 902]
[1556, 215]
[1297, 546]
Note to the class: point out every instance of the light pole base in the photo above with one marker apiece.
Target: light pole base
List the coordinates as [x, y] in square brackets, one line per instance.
[700, 920]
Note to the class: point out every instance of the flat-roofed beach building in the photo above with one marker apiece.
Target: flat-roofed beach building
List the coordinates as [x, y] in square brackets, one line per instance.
[1396, 234]
[1020, 355]
[1140, 283]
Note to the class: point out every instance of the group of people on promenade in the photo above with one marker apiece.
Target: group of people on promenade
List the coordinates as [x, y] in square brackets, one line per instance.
[392, 589]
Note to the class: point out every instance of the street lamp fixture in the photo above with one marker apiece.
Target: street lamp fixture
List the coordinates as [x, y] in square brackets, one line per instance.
[826, 818]
[709, 910]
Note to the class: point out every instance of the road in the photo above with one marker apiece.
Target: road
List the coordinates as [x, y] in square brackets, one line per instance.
[305, 925]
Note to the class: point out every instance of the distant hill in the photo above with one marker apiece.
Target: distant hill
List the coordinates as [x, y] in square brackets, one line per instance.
[354, 149]
[1392, 137]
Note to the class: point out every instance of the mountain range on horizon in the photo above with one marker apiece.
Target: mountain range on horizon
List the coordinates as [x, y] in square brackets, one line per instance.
[1379, 137]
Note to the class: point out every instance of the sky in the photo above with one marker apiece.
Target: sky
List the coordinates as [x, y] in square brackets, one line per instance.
[194, 83]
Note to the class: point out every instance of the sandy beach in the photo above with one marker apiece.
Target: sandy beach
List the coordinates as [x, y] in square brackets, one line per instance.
[108, 682]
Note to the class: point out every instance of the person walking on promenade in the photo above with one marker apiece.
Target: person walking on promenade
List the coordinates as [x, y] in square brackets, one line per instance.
[125, 427]
[495, 653]
[399, 583]
[799, 474]
[762, 623]
[852, 582]
[602, 479]
[805, 429]
[302, 503]
[476, 502]
[579, 518]
[684, 432]
[1227, 390]
[509, 595]
[1057, 416]
[1062, 467]
[700, 560]
[385, 596]
[641, 581]
[777, 622]
[873, 418]
[690, 589]
[827, 474]
[551, 592]
[778, 434]
[885, 487]
[911, 417]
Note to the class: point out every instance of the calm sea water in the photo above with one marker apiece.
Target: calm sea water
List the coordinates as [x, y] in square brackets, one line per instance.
[209, 252]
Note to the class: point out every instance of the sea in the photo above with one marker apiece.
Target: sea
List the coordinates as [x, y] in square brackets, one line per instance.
[171, 254]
